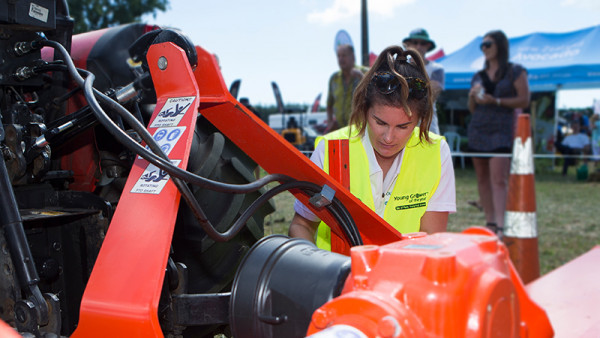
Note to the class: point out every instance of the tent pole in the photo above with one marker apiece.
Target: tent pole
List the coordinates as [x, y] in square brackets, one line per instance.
[555, 132]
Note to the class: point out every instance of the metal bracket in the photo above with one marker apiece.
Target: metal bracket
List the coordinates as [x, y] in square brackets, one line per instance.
[324, 198]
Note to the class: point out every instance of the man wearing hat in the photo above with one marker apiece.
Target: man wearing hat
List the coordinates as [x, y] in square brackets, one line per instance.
[419, 40]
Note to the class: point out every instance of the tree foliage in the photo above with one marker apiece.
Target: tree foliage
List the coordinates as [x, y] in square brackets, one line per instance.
[97, 14]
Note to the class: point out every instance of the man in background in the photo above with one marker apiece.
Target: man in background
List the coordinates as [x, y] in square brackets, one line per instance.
[419, 40]
[577, 143]
[341, 87]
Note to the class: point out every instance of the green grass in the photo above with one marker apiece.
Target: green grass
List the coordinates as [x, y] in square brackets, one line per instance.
[567, 219]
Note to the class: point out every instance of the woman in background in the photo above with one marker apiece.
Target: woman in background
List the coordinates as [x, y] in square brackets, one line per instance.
[496, 91]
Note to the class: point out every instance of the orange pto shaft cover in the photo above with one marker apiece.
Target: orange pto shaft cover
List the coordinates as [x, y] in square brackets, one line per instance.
[441, 285]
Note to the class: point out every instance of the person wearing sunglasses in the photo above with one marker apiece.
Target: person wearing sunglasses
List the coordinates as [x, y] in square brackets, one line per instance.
[496, 91]
[397, 167]
[418, 39]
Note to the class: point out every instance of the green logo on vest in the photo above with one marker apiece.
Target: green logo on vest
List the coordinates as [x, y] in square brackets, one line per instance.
[411, 206]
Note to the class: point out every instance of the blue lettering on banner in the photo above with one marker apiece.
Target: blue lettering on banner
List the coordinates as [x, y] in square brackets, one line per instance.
[165, 148]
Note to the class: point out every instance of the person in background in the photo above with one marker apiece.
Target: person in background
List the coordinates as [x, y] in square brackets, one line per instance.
[496, 91]
[576, 143]
[341, 87]
[419, 40]
[392, 153]
[246, 102]
[595, 127]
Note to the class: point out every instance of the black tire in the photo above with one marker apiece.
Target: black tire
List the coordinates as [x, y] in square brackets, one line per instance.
[212, 265]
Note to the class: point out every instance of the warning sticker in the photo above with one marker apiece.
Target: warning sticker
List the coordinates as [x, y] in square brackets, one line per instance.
[38, 12]
[167, 138]
[153, 180]
[172, 112]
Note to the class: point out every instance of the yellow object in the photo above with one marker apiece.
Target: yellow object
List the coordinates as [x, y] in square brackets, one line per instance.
[417, 181]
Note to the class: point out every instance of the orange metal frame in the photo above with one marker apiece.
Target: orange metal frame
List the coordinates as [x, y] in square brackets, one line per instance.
[339, 170]
[268, 149]
[122, 295]
[570, 295]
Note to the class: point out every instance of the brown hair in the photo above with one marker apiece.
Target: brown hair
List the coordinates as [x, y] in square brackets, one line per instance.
[403, 64]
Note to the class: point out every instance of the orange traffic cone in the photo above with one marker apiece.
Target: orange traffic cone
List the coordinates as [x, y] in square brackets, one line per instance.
[520, 226]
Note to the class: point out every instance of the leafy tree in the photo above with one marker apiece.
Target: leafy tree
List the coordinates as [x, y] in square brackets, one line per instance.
[97, 14]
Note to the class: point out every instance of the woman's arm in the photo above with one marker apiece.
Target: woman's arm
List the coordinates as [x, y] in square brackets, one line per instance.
[301, 227]
[434, 221]
[473, 96]
[521, 100]
[522, 88]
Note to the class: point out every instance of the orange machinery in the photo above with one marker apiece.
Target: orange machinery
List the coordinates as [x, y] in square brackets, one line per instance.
[443, 285]
[395, 285]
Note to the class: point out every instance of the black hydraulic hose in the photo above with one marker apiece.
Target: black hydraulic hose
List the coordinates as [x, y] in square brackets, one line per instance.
[126, 140]
[137, 148]
[16, 241]
[337, 209]
[134, 146]
[186, 193]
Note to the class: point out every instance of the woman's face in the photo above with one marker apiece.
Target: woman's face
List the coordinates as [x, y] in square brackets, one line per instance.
[489, 48]
[389, 129]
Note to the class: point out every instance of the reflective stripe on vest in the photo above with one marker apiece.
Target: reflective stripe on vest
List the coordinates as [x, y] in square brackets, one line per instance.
[417, 181]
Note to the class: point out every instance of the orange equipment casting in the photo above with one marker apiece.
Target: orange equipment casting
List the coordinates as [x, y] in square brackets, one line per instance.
[442, 285]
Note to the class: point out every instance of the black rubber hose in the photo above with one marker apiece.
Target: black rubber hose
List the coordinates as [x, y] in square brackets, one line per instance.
[338, 210]
[135, 147]
[89, 92]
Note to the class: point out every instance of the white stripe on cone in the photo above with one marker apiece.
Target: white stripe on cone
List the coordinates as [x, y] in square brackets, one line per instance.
[520, 224]
[522, 161]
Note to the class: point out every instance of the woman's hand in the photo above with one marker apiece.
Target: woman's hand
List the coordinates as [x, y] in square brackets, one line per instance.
[486, 99]
[301, 227]
[476, 90]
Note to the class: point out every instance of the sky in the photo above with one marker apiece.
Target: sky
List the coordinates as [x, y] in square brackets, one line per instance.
[291, 42]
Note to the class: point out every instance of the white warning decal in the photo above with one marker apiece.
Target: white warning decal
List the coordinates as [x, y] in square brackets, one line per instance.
[172, 112]
[153, 180]
[38, 12]
[167, 138]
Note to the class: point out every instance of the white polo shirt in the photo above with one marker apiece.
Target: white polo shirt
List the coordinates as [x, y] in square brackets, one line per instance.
[443, 200]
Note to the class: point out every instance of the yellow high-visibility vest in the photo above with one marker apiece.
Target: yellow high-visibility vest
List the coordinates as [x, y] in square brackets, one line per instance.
[417, 181]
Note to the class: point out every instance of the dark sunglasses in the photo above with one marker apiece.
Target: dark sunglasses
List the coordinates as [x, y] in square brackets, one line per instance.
[418, 42]
[386, 83]
[486, 44]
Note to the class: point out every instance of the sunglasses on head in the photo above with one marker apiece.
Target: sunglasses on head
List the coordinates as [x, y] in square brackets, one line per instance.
[386, 83]
[486, 44]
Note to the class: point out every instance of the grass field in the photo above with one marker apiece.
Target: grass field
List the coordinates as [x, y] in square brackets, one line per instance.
[567, 219]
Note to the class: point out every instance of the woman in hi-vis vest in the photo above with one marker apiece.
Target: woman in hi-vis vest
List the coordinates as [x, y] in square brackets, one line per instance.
[397, 167]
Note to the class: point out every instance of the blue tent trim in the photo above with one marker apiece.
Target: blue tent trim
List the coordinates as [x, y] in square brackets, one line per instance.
[553, 60]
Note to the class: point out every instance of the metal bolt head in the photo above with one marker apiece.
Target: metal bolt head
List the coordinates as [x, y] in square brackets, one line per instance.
[162, 63]
[388, 327]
